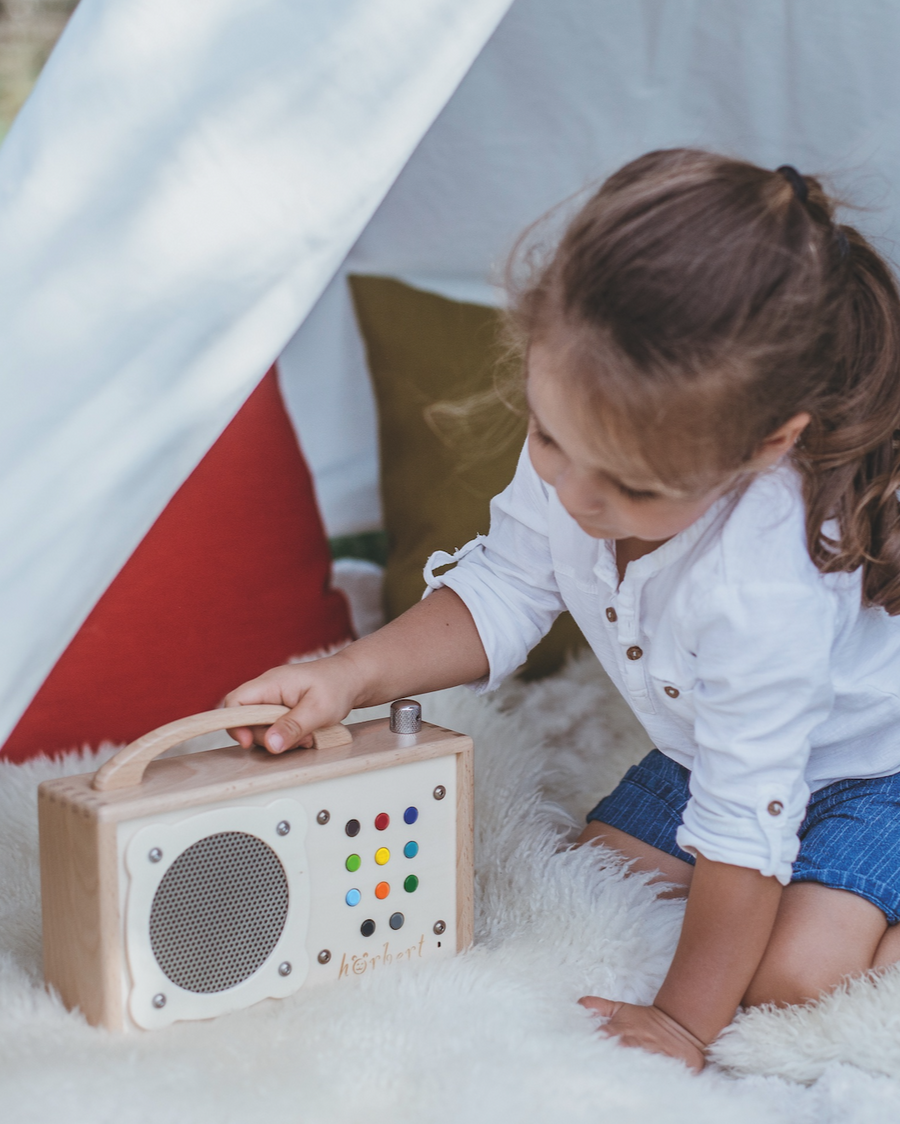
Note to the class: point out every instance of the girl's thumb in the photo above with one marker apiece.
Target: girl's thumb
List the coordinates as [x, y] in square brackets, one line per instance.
[597, 1006]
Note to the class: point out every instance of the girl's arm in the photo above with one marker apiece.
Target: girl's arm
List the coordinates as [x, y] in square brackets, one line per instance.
[433, 645]
[727, 924]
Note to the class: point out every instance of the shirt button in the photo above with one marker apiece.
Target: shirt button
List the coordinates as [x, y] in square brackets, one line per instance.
[611, 615]
[775, 808]
[634, 652]
[672, 692]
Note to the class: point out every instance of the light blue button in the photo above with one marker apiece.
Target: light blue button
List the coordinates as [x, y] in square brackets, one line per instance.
[353, 897]
[411, 849]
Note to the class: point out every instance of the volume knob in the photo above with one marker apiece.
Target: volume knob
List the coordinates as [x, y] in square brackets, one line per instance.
[406, 716]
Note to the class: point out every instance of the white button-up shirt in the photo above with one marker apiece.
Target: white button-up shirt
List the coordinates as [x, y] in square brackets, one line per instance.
[764, 677]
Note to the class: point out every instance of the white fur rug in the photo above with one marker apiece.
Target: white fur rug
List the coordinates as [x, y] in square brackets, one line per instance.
[493, 1036]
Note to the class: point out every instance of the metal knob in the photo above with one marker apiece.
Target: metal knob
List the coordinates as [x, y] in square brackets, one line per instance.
[406, 716]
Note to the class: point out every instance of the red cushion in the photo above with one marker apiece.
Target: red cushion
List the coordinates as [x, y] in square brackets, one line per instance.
[233, 578]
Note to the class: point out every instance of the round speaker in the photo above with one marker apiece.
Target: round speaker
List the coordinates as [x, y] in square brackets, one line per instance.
[218, 912]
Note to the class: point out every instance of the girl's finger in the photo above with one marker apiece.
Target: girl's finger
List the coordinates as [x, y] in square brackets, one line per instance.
[287, 733]
[606, 1008]
[243, 735]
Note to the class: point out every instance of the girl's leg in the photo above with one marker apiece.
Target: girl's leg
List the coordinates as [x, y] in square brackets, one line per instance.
[888, 951]
[643, 857]
[821, 935]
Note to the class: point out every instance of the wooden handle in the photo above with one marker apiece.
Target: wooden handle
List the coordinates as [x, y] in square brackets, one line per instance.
[127, 767]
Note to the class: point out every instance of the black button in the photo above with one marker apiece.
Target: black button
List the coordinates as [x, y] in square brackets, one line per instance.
[396, 921]
[367, 928]
[611, 615]
[352, 827]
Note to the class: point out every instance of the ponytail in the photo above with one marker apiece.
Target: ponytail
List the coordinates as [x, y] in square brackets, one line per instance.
[850, 454]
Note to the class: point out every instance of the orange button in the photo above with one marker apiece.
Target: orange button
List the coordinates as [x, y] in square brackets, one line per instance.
[382, 890]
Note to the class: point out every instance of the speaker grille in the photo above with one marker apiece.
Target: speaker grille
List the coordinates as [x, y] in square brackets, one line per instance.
[218, 912]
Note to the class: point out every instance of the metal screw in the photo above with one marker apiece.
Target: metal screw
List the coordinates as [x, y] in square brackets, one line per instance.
[154, 857]
[323, 817]
[159, 1001]
[285, 968]
[440, 927]
[324, 956]
[440, 792]
[283, 828]
[406, 716]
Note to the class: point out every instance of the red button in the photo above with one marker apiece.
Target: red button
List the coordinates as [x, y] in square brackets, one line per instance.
[382, 820]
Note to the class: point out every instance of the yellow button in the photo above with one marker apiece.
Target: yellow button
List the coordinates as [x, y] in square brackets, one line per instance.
[672, 692]
[382, 855]
[775, 808]
[611, 615]
[634, 652]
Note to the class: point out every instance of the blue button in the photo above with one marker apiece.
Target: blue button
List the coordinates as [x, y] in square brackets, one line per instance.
[410, 815]
[411, 849]
[353, 897]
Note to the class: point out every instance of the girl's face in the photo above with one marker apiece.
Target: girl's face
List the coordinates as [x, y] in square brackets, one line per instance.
[603, 500]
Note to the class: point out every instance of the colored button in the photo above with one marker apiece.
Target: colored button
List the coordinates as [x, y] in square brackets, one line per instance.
[353, 897]
[411, 849]
[382, 890]
[672, 692]
[367, 928]
[410, 883]
[410, 815]
[634, 652]
[382, 820]
[353, 862]
[611, 615]
[775, 808]
[381, 856]
[352, 827]
[396, 921]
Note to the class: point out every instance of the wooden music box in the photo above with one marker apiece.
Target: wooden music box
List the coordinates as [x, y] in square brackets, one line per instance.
[186, 887]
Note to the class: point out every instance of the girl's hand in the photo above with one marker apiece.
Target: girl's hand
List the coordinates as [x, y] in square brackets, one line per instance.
[649, 1028]
[319, 693]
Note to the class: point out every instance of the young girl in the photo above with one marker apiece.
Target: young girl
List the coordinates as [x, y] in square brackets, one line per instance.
[710, 486]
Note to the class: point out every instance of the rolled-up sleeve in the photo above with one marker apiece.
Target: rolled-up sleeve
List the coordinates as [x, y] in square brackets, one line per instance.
[763, 685]
[506, 578]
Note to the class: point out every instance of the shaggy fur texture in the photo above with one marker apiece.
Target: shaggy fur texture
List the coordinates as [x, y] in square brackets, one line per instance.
[493, 1036]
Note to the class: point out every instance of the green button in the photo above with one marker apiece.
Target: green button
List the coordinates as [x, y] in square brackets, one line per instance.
[353, 862]
[410, 883]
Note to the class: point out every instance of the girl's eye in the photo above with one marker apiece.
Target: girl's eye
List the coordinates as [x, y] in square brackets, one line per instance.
[633, 493]
[543, 437]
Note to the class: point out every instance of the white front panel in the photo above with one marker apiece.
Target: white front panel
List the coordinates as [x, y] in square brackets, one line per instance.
[356, 903]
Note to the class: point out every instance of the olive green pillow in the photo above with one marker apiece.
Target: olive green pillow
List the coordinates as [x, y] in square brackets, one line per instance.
[440, 467]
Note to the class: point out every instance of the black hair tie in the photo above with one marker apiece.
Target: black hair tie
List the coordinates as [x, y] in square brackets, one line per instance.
[797, 182]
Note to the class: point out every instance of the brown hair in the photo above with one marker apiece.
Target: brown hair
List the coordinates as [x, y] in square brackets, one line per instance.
[706, 301]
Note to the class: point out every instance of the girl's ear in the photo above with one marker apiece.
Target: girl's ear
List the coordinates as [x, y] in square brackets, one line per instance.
[780, 442]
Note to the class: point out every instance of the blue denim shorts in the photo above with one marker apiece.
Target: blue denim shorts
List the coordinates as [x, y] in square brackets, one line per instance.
[849, 839]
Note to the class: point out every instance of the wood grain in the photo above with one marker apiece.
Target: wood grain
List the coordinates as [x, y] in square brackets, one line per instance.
[465, 845]
[126, 768]
[80, 910]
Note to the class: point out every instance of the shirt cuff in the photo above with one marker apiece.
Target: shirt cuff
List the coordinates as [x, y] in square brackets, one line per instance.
[762, 837]
[507, 636]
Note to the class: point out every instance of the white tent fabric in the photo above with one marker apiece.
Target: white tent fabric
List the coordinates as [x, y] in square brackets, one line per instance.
[188, 176]
[174, 198]
[565, 92]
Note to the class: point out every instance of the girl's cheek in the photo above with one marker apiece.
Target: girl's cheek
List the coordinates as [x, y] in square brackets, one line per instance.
[544, 460]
